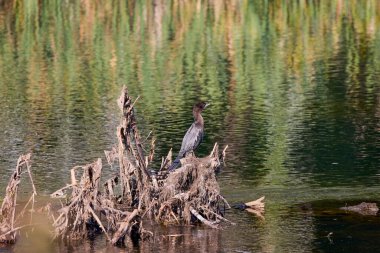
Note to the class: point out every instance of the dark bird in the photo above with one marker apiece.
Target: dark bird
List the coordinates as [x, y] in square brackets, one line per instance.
[193, 136]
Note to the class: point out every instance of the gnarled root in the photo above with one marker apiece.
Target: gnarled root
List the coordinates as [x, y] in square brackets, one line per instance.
[191, 191]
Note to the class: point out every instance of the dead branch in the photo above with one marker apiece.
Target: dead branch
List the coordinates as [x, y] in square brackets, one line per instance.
[74, 218]
[256, 207]
[132, 163]
[201, 218]
[125, 227]
[12, 231]
[8, 207]
[193, 185]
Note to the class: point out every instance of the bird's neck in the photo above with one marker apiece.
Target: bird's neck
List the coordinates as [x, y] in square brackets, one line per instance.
[198, 119]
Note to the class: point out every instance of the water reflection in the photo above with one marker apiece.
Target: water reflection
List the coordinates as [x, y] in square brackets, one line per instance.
[293, 86]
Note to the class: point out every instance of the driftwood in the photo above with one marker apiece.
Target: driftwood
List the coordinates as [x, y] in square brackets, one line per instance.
[8, 219]
[91, 209]
[165, 197]
[81, 216]
[256, 207]
[191, 191]
[74, 218]
[140, 189]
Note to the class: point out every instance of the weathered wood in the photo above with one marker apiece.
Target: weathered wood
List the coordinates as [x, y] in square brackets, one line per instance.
[8, 207]
[201, 218]
[125, 227]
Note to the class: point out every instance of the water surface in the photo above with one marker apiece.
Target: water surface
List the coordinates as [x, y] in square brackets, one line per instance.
[294, 88]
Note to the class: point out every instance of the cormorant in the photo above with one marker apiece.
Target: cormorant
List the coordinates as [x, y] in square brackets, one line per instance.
[193, 136]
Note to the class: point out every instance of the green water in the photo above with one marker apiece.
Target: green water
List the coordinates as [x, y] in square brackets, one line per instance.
[294, 88]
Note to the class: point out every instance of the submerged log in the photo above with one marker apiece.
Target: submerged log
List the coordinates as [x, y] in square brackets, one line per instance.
[363, 208]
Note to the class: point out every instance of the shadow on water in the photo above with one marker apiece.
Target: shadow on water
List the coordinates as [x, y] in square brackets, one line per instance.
[293, 87]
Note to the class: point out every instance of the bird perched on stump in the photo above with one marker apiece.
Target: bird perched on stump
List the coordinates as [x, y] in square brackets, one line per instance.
[193, 136]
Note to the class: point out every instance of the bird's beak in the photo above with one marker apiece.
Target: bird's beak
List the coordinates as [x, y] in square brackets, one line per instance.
[206, 105]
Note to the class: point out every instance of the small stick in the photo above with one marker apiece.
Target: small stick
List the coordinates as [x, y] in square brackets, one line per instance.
[167, 159]
[73, 179]
[225, 202]
[214, 149]
[154, 181]
[30, 175]
[99, 222]
[15, 229]
[59, 193]
[152, 147]
[143, 142]
[23, 210]
[175, 235]
[224, 151]
[116, 210]
[131, 107]
[171, 212]
[200, 218]
[222, 218]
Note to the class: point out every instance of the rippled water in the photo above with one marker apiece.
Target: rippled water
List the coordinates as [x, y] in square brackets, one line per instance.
[294, 88]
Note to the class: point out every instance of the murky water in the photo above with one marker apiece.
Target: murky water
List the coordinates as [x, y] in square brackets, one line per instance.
[294, 88]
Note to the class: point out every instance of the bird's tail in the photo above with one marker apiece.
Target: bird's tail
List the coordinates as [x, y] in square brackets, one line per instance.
[174, 164]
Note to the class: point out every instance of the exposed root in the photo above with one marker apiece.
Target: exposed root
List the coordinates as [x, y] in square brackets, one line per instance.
[189, 194]
[74, 218]
[191, 189]
[89, 208]
[80, 217]
[127, 226]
